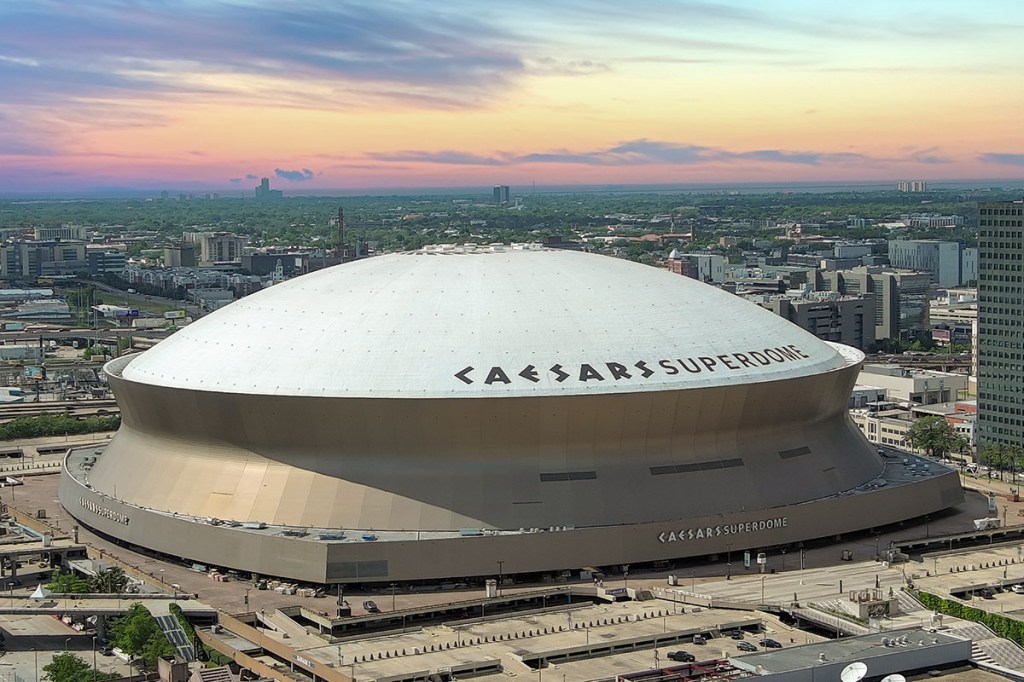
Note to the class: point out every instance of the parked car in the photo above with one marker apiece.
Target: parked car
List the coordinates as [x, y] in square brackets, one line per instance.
[770, 644]
[681, 656]
[1017, 589]
[371, 606]
[986, 593]
[746, 646]
[738, 634]
[699, 639]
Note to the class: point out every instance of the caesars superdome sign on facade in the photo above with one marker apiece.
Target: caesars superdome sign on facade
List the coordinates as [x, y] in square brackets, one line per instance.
[641, 369]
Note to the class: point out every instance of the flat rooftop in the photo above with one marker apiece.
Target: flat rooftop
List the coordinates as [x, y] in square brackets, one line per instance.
[593, 640]
[848, 650]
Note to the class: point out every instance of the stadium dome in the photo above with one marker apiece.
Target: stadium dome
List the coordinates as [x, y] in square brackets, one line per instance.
[409, 325]
[382, 412]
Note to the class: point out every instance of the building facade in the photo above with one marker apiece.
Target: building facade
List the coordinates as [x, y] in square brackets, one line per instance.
[846, 320]
[217, 247]
[901, 298]
[941, 260]
[32, 259]
[1000, 334]
[703, 267]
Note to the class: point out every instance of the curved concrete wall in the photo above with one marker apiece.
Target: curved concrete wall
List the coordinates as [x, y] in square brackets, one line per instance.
[507, 463]
[353, 561]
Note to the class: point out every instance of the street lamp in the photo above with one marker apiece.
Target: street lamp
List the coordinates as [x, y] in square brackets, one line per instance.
[728, 561]
[762, 589]
[625, 578]
[67, 643]
[94, 656]
[499, 577]
[35, 655]
[393, 587]
[783, 560]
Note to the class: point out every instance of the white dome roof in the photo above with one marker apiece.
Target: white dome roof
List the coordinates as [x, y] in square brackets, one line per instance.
[500, 322]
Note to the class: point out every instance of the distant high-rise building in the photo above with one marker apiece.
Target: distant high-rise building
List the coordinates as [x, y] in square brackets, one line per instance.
[64, 232]
[939, 259]
[501, 194]
[912, 186]
[842, 319]
[179, 256]
[216, 247]
[700, 266]
[900, 298]
[1000, 335]
[263, 190]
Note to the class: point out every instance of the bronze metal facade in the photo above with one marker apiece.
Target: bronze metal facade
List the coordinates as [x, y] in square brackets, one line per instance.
[603, 478]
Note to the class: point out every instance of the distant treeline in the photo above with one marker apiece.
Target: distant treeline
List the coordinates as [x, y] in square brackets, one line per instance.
[56, 425]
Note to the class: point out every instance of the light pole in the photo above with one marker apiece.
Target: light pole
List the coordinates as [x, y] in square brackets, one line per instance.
[94, 656]
[762, 589]
[245, 599]
[35, 655]
[728, 561]
[67, 643]
[499, 577]
[625, 578]
[783, 560]
[393, 587]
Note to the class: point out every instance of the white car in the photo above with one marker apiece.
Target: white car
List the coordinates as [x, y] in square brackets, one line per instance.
[1017, 589]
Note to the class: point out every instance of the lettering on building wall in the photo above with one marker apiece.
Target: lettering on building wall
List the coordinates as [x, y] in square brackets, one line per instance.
[596, 373]
[105, 512]
[705, 532]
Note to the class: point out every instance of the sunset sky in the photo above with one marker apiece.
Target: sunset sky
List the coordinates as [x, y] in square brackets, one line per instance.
[194, 94]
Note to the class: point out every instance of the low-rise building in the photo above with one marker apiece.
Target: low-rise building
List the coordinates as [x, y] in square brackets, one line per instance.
[923, 387]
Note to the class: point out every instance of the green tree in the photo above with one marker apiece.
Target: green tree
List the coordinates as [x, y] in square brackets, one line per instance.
[933, 435]
[68, 583]
[111, 581]
[1001, 457]
[67, 667]
[138, 634]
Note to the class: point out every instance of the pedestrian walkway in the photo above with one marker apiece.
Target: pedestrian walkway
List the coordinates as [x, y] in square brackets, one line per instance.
[177, 637]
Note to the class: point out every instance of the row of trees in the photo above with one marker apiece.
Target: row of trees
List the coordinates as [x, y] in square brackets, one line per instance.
[1003, 458]
[110, 581]
[937, 437]
[56, 425]
[1004, 626]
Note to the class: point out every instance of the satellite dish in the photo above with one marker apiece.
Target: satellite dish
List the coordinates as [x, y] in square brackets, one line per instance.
[854, 672]
[895, 677]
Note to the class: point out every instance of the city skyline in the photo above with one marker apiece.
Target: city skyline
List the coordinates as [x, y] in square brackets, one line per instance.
[216, 95]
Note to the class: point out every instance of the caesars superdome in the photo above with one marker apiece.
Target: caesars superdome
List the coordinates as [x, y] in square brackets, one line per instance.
[427, 415]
